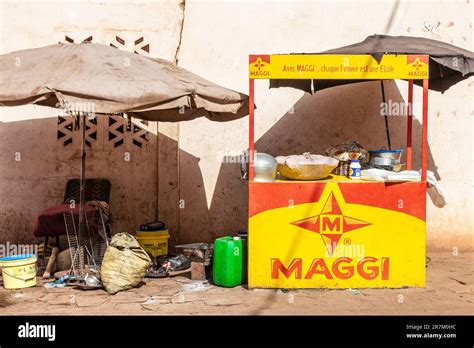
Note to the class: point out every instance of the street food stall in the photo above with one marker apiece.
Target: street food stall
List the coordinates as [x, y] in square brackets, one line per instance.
[337, 232]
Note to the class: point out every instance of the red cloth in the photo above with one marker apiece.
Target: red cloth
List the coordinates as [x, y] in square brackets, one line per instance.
[50, 222]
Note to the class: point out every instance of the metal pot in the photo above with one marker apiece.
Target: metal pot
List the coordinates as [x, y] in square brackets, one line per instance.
[264, 169]
[390, 154]
[382, 161]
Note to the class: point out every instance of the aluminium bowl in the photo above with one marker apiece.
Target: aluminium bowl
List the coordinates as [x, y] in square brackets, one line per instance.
[390, 154]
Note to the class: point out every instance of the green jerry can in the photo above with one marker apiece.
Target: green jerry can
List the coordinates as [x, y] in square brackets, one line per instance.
[230, 261]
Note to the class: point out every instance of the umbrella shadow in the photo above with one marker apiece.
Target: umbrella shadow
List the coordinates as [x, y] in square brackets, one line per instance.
[336, 115]
[36, 166]
[227, 212]
[329, 117]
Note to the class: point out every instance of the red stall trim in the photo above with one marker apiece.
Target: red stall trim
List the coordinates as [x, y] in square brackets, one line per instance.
[424, 149]
[251, 128]
[409, 124]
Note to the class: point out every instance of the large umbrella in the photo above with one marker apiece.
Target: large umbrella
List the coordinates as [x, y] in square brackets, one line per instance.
[448, 64]
[113, 81]
[87, 78]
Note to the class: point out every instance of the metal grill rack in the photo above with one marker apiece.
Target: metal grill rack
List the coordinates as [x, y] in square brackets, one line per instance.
[87, 250]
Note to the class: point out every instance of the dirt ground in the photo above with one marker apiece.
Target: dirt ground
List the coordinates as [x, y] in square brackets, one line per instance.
[449, 290]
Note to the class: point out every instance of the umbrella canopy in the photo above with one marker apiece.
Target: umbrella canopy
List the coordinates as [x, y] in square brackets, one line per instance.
[113, 81]
[448, 64]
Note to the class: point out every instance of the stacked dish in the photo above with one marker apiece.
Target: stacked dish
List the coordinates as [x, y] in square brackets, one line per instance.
[386, 159]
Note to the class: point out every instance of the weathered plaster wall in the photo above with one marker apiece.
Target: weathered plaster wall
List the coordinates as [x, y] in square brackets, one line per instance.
[217, 39]
[215, 42]
[38, 180]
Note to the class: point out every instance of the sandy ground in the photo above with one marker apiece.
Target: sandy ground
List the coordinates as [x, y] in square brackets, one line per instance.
[449, 290]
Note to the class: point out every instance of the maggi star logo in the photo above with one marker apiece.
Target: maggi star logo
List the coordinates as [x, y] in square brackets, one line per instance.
[259, 66]
[259, 63]
[330, 223]
[417, 64]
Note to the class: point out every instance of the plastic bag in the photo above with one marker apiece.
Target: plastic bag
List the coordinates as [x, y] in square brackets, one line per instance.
[61, 281]
[164, 264]
[306, 166]
[433, 189]
[153, 226]
[347, 151]
[178, 263]
[124, 265]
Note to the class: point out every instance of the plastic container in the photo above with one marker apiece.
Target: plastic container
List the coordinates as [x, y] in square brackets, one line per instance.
[18, 271]
[154, 242]
[230, 261]
[354, 172]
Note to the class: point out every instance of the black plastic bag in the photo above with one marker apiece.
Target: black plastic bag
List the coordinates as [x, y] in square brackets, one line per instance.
[178, 263]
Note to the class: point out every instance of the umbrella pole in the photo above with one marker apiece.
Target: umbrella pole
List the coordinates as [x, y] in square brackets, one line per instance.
[387, 130]
[82, 193]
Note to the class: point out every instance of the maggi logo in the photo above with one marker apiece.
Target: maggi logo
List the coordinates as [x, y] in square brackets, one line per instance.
[330, 223]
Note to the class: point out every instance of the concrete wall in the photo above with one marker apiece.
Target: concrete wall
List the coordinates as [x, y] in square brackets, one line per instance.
[214, 41]
[217, 39]
[38, 179]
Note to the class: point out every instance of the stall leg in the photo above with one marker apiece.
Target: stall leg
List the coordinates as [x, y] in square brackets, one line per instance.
[424, 148]
[251, 129]
[409, 124]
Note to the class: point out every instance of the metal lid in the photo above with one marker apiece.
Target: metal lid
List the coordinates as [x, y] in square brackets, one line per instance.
[385, 151]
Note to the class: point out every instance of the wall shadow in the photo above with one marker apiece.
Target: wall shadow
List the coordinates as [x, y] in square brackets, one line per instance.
[35, 166]
[329, 117]
[335, 115]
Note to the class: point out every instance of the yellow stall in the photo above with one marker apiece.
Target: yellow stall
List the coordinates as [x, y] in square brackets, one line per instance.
[337, 232]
